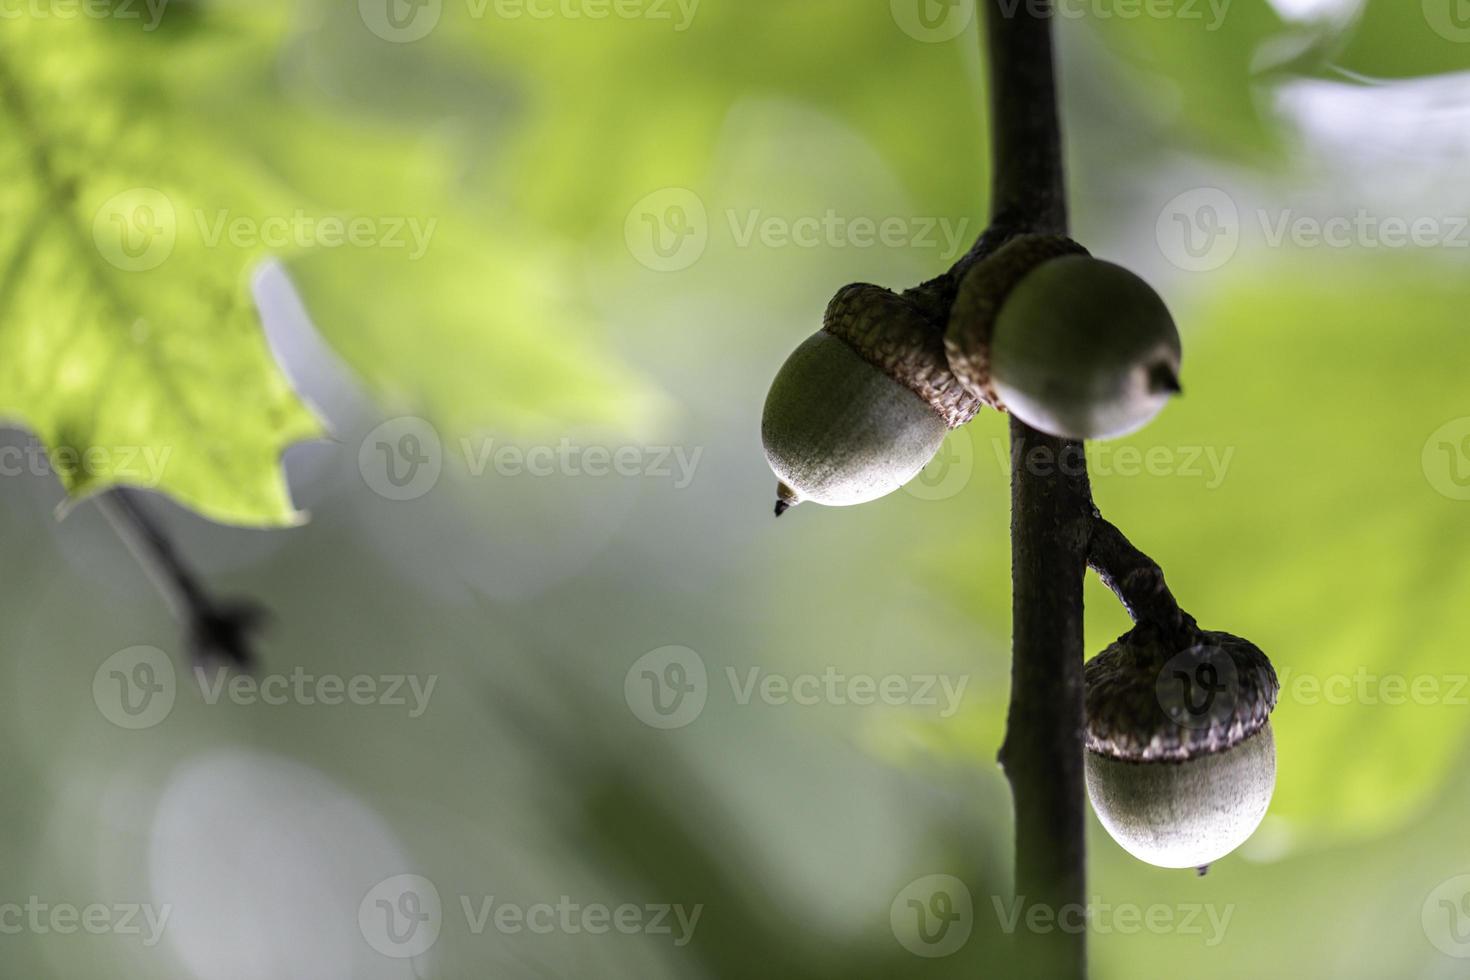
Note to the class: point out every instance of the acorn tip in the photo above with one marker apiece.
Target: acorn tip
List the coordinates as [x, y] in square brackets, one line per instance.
[1164, 380]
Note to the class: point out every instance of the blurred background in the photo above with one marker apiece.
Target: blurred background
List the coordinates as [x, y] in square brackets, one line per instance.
[546, 691]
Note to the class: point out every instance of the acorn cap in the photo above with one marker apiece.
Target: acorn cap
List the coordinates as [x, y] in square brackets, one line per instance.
[1146, 701]
[892, 334]
[983, 292]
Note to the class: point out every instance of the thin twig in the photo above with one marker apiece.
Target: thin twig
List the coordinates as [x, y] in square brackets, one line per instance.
[217, 630]
[1136, 579]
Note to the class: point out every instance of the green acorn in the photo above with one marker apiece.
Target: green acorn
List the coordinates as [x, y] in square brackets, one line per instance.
[862, 405]
[1180, 759]
[1069, 344]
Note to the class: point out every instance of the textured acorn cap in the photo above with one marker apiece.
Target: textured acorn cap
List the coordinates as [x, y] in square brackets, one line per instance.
[1135, 693]
[982, 294]
[861, 406]
[890, 333]
[1084, 349]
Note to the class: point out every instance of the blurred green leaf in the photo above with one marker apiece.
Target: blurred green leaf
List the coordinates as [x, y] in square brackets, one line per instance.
[145, 195]
[624, 107]
[128, 339]
[1403, 39]
[1198, 62]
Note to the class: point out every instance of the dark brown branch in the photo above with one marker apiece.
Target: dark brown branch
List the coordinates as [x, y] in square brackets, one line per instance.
[217, 630]
[1051, 514]
[1136, 579]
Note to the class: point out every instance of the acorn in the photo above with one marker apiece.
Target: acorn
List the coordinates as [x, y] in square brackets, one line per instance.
[1069, 344]
[1180, 759]
[862, 405]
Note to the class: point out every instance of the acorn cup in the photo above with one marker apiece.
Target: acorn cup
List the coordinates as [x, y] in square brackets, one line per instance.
[1071, 345]
[1180, 760]
[863, 404]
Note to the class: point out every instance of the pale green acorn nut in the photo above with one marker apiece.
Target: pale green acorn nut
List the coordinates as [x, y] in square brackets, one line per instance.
[1180, 795]
[1084, 349]
[1185, 814]
[862, 405]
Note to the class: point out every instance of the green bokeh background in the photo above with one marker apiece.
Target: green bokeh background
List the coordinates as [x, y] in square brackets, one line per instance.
[1304, 493]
